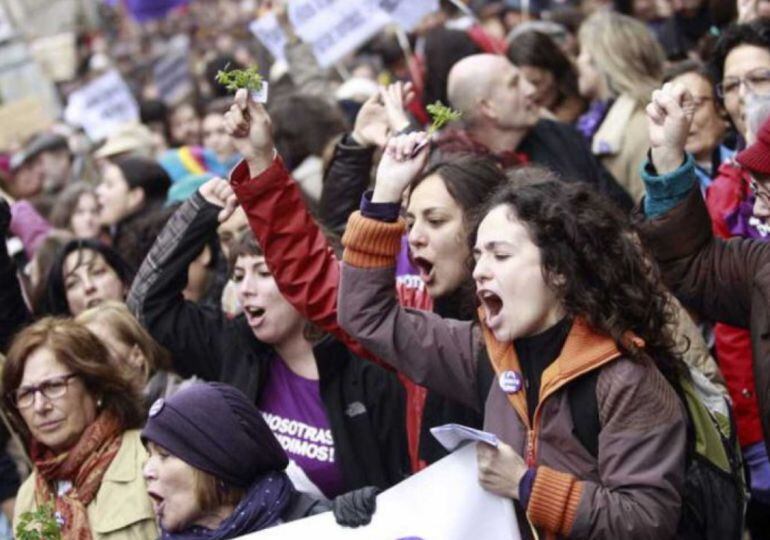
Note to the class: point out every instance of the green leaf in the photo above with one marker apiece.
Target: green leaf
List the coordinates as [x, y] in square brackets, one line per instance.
[39, 524]
[441, 115]
[234, 79]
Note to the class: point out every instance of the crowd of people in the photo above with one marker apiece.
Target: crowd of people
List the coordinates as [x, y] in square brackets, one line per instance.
[231, 315]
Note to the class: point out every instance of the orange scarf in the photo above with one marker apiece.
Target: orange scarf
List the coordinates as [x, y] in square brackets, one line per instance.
[84, 465]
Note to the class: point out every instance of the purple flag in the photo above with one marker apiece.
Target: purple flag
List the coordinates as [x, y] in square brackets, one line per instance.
[145, 10]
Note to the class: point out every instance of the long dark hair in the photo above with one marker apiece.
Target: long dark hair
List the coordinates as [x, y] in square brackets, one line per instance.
[55, 300]
[539, 50]
[609, 281]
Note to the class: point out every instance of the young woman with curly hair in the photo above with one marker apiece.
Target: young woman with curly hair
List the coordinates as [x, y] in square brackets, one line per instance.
[567, 300]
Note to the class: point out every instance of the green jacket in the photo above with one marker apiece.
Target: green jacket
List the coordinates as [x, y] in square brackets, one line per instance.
[121, 509]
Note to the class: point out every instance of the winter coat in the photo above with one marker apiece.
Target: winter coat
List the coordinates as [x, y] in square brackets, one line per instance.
[621, 143]
[364, 403]
[121, 509]
[723, 280]
[630, 490]
[729, 189]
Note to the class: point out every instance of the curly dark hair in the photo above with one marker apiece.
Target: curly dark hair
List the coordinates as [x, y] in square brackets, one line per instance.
[610, 282]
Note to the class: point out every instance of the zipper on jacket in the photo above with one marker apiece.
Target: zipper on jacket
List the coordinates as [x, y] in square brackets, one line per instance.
[530, 459]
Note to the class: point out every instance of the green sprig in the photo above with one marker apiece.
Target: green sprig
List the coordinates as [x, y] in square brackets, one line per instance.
[250, 79]
[441, 115]
[39, 524]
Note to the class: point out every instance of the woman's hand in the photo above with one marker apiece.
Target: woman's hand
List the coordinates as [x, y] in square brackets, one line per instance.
[399, 166]
[382, 115]
[395, 98]
[669, 116]
[500, 469]
[250, 127]
[218, 192]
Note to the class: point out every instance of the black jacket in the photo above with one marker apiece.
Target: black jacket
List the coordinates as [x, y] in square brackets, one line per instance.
[563, 149]
[364, 403]
[14, 314]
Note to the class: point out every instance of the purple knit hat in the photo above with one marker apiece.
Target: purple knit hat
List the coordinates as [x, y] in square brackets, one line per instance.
[215, 428]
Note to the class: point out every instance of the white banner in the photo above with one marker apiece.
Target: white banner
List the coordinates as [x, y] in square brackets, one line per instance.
[443, 501]
[335, 28]
[408, 13]
[172, 72]
[267, 30]
[102, 106]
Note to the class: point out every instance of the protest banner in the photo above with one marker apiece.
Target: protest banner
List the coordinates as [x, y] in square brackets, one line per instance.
[335, 28]
[267, 30]
[443, 501]
[408, 13]
[21, 119]
[102, 106]
[6, 28]
[56, 55]
[172, 72]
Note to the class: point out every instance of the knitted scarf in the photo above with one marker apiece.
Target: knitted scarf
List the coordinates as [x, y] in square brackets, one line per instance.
[84, 465]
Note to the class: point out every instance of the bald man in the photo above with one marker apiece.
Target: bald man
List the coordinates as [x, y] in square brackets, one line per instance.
[501, 119]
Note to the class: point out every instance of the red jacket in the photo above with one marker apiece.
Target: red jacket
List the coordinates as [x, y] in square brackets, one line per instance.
[310, 272]
[733, 345]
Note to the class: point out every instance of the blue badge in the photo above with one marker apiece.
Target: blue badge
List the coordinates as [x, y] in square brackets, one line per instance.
[510, 382]
[157, 407]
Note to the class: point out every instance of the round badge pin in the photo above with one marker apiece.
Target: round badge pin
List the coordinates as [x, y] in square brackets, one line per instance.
[510, 382]
[156, 407]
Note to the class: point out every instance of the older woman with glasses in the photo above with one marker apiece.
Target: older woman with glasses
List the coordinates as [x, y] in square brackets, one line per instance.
[79, 417]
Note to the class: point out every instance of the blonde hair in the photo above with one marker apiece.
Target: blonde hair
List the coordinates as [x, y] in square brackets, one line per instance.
[127, 329]
[625, 52]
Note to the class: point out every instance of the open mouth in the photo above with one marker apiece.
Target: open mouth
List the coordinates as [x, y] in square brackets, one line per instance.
[254, 315]
[157, 502]
[425, 267]
[93, 302]
[492, 303]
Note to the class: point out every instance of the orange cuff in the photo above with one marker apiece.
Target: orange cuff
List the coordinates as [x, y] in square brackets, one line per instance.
[554, 500]
[370, 243]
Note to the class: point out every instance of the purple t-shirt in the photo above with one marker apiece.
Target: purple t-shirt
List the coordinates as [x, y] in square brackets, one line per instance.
[292, 407]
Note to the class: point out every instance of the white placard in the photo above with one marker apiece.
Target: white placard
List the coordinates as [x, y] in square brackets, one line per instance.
[408, 13]
[172, 72]
[267, 30]
[6, 29]
[102, 106]
[335, 28]
[443, 501]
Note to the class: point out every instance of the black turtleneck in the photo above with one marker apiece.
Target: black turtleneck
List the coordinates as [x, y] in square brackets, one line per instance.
[538, 352]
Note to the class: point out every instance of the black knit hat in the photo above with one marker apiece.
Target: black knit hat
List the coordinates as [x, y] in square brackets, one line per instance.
[215, 428]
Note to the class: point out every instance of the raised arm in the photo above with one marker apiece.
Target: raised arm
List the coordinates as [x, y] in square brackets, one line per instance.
[439, 353]
[191, 333]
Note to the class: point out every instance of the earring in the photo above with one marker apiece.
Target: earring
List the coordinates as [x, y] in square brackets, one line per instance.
[99, 403]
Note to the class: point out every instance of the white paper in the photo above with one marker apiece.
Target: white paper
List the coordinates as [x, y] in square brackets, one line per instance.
[451, 436]
[335, 28]
[442, 502]
[408, 13]
[102, 106]
[261, 95]
[267, 30]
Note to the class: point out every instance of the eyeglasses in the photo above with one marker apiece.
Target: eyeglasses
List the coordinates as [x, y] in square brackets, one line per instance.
[53, 388]
[757, 81]
[760, 191]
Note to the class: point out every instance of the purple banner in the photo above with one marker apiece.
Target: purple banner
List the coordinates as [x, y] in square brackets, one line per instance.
[145, 10]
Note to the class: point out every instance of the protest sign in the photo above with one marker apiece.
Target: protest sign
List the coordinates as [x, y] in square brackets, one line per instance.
[408, 13]
[172, 72]
[335, 28]
[267, 30]
[20, 119]
[56, 56]
[102, 106]
[6, 29]
[443, 501]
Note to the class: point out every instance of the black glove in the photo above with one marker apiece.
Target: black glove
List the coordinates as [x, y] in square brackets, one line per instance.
[355, 508]
[5, 217]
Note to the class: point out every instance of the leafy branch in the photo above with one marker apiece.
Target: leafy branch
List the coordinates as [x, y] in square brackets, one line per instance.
[441, 115]
[39, 524]
[234, 79]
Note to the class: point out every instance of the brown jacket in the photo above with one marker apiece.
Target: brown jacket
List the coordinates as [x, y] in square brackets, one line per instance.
[723, 280]
[632, 490]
